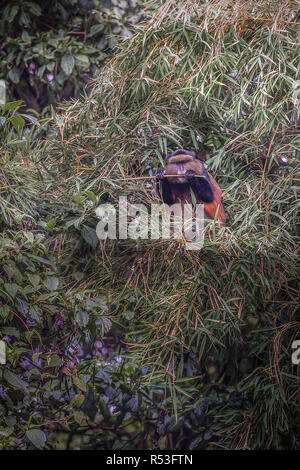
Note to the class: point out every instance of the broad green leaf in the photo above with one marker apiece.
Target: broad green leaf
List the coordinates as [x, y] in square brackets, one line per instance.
[18, 122]
[95, 29]
[51, 224]
[91, 195]
[51, 282]
[4, 311]
[34, 279]
[14, 380]
[14, 10]
[55, 361]
[11, 105]
[67, 64]
[90, 236]
[14, 75]
[34, 8]
[82, 60]
[37, 437]
[82, 317]
[12, 288]
[10, 331]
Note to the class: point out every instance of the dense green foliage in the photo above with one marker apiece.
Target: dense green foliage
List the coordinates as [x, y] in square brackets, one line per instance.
[200, 351]
[50, 49]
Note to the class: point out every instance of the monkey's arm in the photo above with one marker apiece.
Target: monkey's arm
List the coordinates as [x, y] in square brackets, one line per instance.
[201, 186]
[163, 188]
[209, 192]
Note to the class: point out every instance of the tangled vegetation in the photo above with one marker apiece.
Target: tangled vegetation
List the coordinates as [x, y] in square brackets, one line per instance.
[199, 353]
[49, 50]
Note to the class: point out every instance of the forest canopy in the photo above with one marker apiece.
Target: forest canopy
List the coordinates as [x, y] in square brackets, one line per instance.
[142, 344]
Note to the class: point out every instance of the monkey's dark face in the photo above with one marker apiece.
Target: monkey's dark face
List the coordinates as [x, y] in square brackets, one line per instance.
[178, 165]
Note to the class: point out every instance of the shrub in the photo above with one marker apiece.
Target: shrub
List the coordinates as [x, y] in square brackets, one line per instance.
[206, 335]
[50, 49]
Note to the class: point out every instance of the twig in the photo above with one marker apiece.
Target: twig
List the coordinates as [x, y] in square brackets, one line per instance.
[136, 177]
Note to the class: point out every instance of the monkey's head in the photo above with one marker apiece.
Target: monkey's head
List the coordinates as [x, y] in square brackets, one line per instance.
[179, 162]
